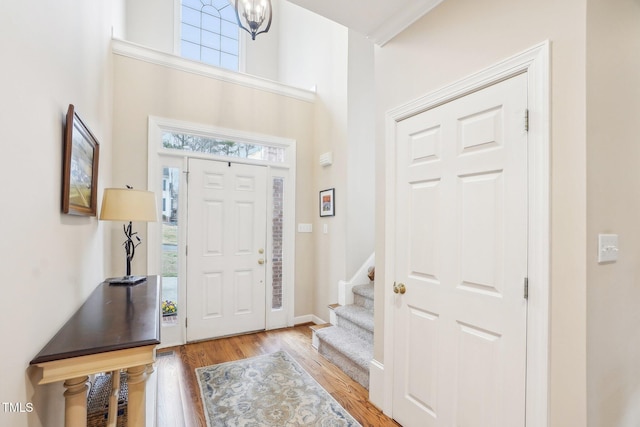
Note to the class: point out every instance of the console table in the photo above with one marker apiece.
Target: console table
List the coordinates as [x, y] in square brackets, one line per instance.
[117, 328]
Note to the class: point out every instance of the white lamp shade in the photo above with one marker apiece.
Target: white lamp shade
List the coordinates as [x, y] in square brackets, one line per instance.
[126, 204]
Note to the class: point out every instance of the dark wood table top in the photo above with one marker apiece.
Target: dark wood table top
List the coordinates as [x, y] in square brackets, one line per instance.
[114, 317]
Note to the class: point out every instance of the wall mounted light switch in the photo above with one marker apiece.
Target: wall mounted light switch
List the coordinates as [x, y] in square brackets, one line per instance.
[607, 248]
[305, 228]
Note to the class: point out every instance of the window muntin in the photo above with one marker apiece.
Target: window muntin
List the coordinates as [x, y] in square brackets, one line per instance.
[222, 147]
[210, 33]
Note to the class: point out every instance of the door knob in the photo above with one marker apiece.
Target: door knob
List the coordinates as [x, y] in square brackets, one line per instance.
[399, 288]
[261, 261]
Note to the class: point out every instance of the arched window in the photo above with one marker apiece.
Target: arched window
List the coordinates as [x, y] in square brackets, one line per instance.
[209, 33]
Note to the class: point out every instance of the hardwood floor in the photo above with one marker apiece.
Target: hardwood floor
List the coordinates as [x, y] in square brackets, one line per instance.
[179, 403]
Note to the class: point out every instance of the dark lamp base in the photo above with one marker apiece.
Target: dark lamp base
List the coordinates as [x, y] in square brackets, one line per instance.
[126, 280]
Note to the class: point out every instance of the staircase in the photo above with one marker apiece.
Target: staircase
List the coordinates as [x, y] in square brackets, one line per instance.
[349, 342]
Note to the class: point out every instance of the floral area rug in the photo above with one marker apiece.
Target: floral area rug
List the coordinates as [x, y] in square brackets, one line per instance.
[268, 390]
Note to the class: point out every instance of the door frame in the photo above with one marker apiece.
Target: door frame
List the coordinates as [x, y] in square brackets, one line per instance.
[159, 156]
[535, 62]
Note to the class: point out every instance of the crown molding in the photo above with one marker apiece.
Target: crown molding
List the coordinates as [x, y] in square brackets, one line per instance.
[142, 53]
[401, 21]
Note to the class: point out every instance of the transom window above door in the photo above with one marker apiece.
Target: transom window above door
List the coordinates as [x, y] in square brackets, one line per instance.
[209, 33]
[222, 147]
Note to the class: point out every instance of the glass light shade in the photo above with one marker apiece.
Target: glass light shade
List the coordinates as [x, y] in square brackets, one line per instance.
[127, 204]
[252, 14]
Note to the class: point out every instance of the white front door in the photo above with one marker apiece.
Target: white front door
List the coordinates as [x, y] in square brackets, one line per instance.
[226, 241]
[461, 254]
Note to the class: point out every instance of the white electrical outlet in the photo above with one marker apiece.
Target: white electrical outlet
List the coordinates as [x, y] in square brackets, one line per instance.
[607, 247]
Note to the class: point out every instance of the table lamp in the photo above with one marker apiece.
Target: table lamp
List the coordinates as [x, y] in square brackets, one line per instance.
[127, 204]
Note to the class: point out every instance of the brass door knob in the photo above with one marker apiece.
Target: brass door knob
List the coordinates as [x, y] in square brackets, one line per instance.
[261, 261]
[399, 288]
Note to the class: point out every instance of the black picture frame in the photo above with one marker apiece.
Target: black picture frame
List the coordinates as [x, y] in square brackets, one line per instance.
[80, 167]
[328, 202]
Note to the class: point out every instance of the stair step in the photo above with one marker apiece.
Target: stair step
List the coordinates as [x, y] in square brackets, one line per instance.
[349, 344]
[332, 313]
[320, 326]
[363, 295]
[360, 318]
[366, 290]
[349, 352]
[314, 336]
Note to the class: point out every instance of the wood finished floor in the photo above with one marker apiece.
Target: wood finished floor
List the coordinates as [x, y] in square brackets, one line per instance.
[179, 403]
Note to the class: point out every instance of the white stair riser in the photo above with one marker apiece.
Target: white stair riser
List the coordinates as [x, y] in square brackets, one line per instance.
[333, 319]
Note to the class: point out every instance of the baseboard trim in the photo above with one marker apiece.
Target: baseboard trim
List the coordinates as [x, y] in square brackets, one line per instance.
[308, 318]
[376, 385]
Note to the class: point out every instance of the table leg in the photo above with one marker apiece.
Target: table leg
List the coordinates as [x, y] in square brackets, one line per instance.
[75, 402]
[137, 405]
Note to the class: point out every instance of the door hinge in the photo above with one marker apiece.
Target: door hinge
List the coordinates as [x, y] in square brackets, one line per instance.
[186, 322]
[526, 120]
[186, 250]
[186, 176]
[526, 288]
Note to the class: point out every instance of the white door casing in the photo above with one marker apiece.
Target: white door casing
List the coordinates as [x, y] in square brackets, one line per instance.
[226, 248]
[461, 252]
[534, 63]
[282, 169]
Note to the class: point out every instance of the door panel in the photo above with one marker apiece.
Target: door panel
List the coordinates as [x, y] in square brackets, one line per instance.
[226, 231]
[461, 251]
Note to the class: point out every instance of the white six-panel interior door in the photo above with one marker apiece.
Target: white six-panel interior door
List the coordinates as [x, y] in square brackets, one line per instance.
[226, 240]
[461, 254]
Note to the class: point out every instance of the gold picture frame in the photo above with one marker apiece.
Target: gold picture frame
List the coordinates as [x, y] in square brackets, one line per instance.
[80, 167]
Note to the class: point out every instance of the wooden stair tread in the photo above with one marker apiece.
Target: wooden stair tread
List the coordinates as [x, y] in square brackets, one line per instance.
[320, 326]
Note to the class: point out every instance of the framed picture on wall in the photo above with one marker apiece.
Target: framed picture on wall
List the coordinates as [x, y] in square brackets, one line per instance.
[80, 167]
[327, 202]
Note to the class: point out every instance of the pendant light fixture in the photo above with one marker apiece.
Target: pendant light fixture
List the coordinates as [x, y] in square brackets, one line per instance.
[252, 14]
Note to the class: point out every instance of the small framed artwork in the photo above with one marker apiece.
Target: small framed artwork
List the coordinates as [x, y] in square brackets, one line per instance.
[80, 167]
[327, 202]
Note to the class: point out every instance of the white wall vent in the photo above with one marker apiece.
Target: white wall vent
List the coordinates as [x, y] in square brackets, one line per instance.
[326, 159]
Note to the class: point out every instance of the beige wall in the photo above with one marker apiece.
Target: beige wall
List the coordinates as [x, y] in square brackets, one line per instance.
[317, 56]
[461, 37]
[53, 55]
[360, 226]
[613, 178]
[151, 23]
[143, 89]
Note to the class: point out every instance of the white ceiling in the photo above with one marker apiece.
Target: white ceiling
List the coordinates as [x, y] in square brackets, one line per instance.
[378, 20]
